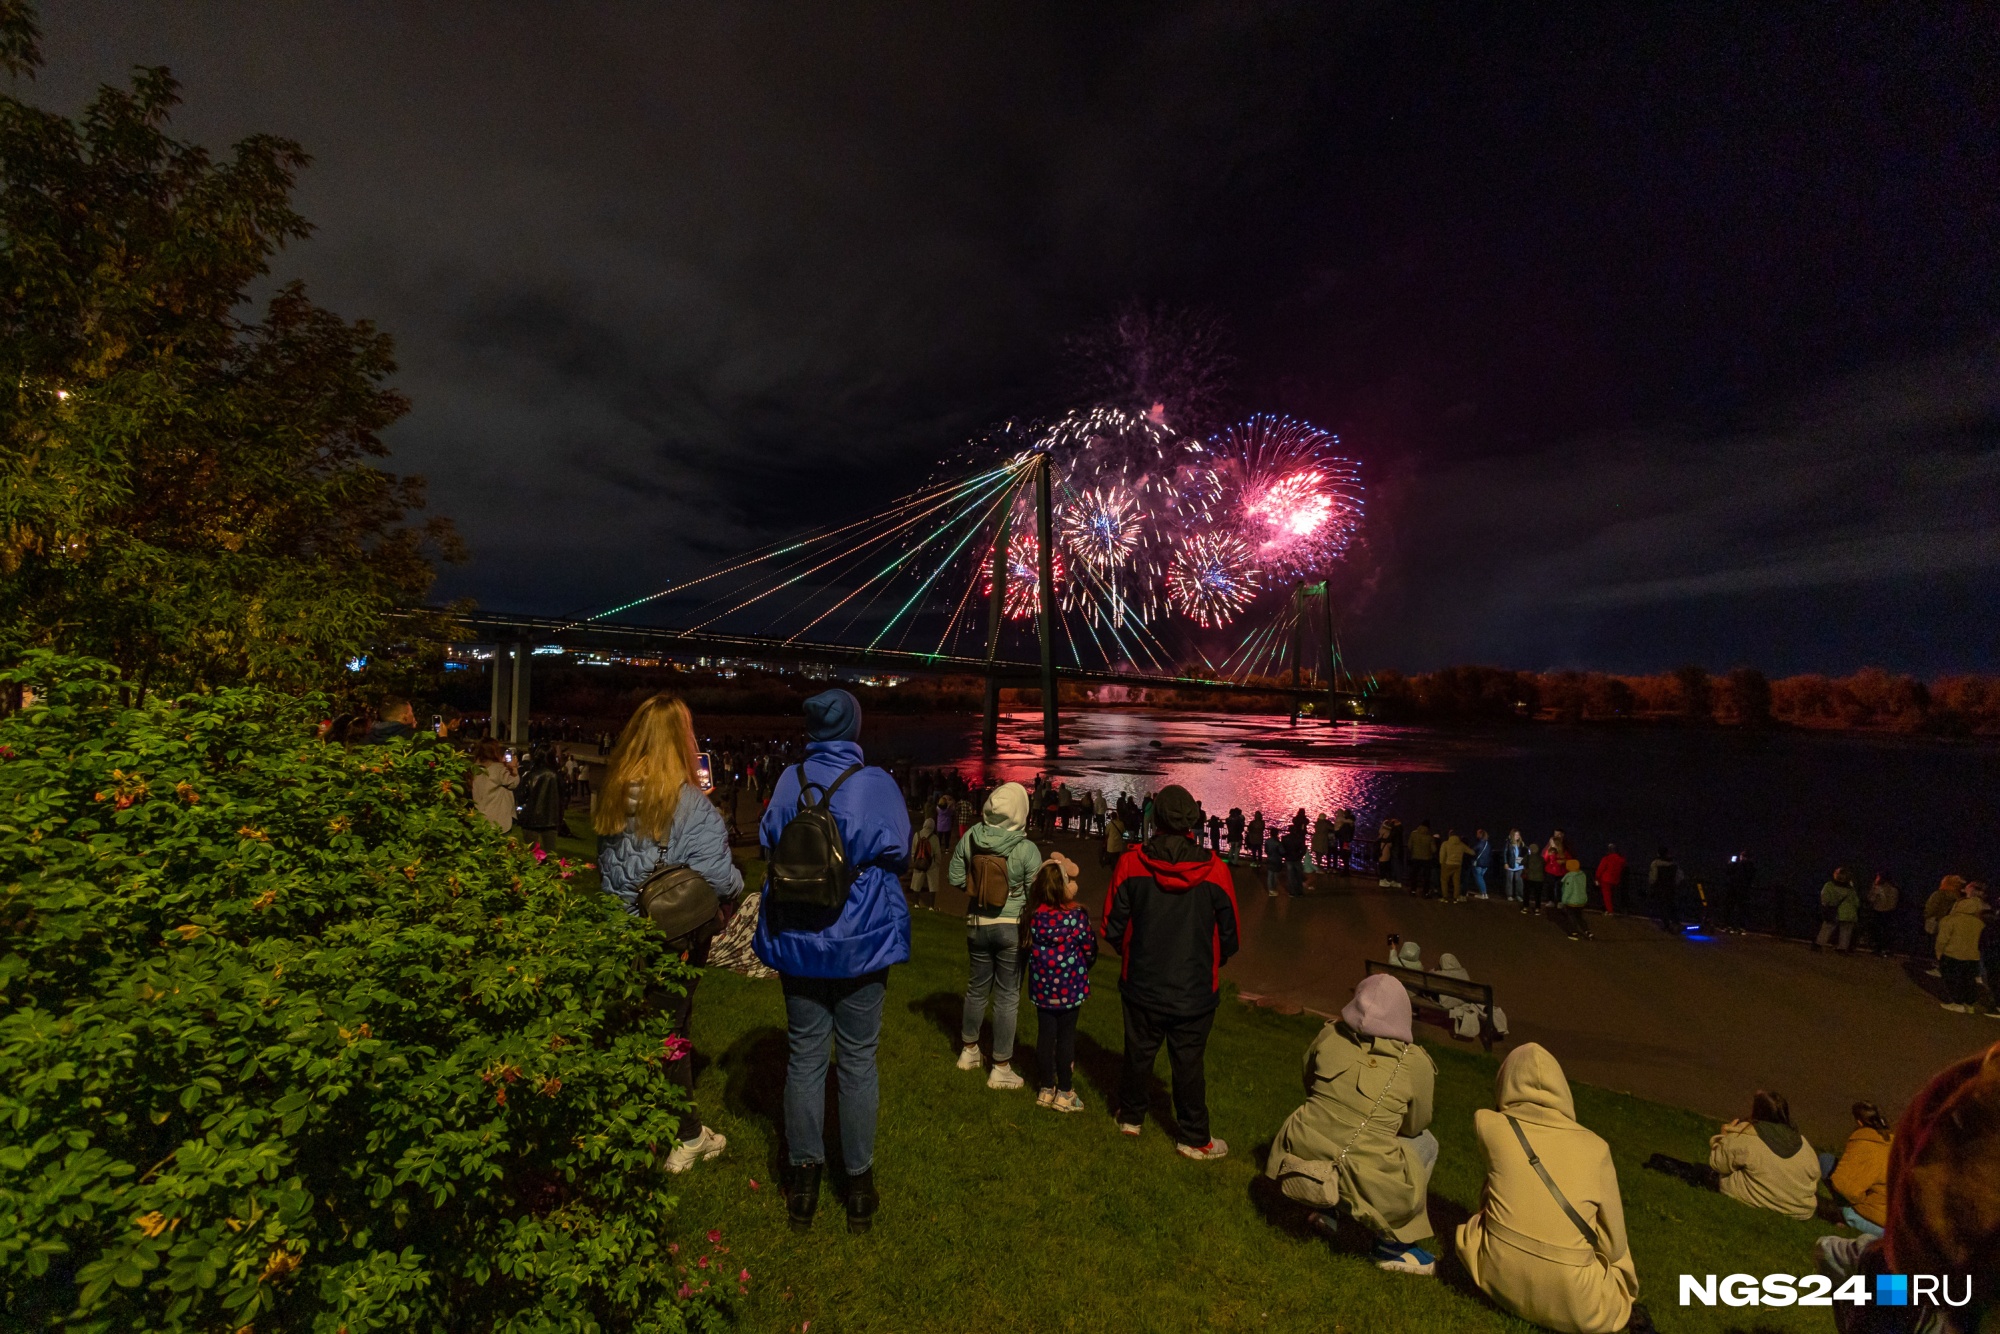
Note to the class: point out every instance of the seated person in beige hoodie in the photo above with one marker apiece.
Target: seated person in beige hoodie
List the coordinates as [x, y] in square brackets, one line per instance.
[1763, 1161]
[1551, 1250]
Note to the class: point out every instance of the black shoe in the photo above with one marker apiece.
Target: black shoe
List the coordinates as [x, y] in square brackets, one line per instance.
[802, 1195]
[862, 1201]
[1641, 1322]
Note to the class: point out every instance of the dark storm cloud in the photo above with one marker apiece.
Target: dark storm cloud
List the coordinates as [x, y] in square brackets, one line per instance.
[668, 283]
[1850, 497]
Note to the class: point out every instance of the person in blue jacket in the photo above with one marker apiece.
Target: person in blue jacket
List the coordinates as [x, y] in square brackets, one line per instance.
[835, 967]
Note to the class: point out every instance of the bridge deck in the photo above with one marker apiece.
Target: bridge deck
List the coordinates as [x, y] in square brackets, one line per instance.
[486, 627]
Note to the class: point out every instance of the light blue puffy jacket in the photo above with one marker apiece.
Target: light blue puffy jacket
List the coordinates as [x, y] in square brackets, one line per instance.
[698, 839]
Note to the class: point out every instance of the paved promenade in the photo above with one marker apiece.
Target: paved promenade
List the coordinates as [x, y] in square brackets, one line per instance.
[1695, 1023]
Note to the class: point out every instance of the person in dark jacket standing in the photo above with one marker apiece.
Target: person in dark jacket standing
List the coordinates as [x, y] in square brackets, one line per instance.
[541, 800]
[835, 966]
[1171, 915]
[1663, 879]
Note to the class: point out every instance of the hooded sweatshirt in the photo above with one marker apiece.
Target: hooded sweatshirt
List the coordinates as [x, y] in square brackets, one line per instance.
[871, 930]
[1171, 915]
[1958, 934]
[1768, 1166]
[1002, 831]
[1521, 1248]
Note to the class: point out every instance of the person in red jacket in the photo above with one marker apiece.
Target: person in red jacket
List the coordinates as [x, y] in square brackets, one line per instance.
[1171, 915]
[1611, 879]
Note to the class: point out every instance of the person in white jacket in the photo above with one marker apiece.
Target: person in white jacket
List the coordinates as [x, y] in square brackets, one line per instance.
[494, 779]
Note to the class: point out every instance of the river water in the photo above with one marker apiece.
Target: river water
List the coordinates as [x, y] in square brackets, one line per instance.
[1799, 804]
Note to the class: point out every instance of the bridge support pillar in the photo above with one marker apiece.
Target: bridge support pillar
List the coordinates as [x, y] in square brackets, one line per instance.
[1332, 655]
[1298, 647]
[517, 710]
[500, 670]
[1045, 542]
[996, 606]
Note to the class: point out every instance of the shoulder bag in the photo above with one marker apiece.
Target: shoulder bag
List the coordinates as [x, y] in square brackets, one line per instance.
[1534, 1161]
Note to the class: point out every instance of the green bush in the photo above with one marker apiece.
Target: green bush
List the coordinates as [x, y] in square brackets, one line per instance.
[291, 1039]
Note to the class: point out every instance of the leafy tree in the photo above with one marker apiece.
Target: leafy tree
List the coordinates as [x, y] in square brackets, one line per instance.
[1750, 694]
[1697, 694]
[292, 1039]
[183, 491]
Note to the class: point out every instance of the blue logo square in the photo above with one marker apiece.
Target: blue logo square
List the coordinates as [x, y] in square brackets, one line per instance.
[1892, 1289]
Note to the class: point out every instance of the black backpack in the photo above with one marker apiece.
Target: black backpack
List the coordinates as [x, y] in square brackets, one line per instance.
[809, 866]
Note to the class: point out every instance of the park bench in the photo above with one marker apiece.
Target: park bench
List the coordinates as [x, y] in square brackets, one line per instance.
[1437, 988]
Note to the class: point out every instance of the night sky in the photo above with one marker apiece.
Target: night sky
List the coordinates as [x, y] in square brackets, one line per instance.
[1667, 334]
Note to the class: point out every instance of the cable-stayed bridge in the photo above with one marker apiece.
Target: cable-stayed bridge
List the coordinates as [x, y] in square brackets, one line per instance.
[904, 590]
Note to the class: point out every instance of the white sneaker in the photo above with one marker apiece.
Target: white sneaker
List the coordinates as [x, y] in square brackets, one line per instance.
[1957, 1009]
[968, 1057]
[1071, 1102]
[1045, 1098]
[1002, 1076]
[1205, 1153]
[709, 1144]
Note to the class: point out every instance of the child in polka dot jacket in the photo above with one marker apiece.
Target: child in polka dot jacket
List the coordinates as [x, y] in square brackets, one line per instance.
[1062, 944]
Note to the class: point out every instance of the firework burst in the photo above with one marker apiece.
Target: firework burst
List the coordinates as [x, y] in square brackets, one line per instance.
[1124, 483]
[1210, 579]
[1023, 599]
[1281, 485]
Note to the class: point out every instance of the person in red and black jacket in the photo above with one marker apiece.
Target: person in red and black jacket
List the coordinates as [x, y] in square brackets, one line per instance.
[1171, 915]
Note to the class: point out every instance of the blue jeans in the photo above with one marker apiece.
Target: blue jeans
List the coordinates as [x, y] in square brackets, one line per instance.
[996, 968]
[820, 1013]
[1479, 881]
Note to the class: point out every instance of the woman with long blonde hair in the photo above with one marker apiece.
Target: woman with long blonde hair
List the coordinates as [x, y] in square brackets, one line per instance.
[649, 813]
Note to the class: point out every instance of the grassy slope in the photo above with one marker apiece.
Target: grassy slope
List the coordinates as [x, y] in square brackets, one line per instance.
[998, 1215]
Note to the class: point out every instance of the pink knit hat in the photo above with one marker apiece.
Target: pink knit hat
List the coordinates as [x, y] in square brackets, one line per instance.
[1380, 1008]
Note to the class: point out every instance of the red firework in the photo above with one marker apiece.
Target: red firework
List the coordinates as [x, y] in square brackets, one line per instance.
[1023, 598]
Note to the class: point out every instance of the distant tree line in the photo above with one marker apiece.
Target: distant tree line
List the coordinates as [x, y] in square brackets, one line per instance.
[1870, 699]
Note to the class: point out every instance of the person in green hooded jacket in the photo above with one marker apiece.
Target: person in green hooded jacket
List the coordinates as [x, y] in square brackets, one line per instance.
[1839, 910]
[993, 934]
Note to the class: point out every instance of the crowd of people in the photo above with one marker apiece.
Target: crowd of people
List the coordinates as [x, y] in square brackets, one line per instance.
[1548, 1241]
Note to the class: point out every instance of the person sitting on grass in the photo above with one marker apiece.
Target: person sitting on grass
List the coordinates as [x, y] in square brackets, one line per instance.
[1859, 1181]
[995, 861]
[1061, 945]
[1763, 1162]
[1171, 914]
[1552, 1249]
[1943, 1214]
[1362, 1139]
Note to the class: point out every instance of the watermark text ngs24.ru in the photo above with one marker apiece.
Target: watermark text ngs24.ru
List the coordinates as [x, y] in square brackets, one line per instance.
[1819, 1290]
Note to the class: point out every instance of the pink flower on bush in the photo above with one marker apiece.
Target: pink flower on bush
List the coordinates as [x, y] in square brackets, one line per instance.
[714, 1237]
[703, 1262]
[677, 1047]
[743, 1277]
[540, 854]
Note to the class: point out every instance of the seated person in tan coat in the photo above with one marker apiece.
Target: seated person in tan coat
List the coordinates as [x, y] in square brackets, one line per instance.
[1763, 1161]
[1362, 1140]
[1561, 1262]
